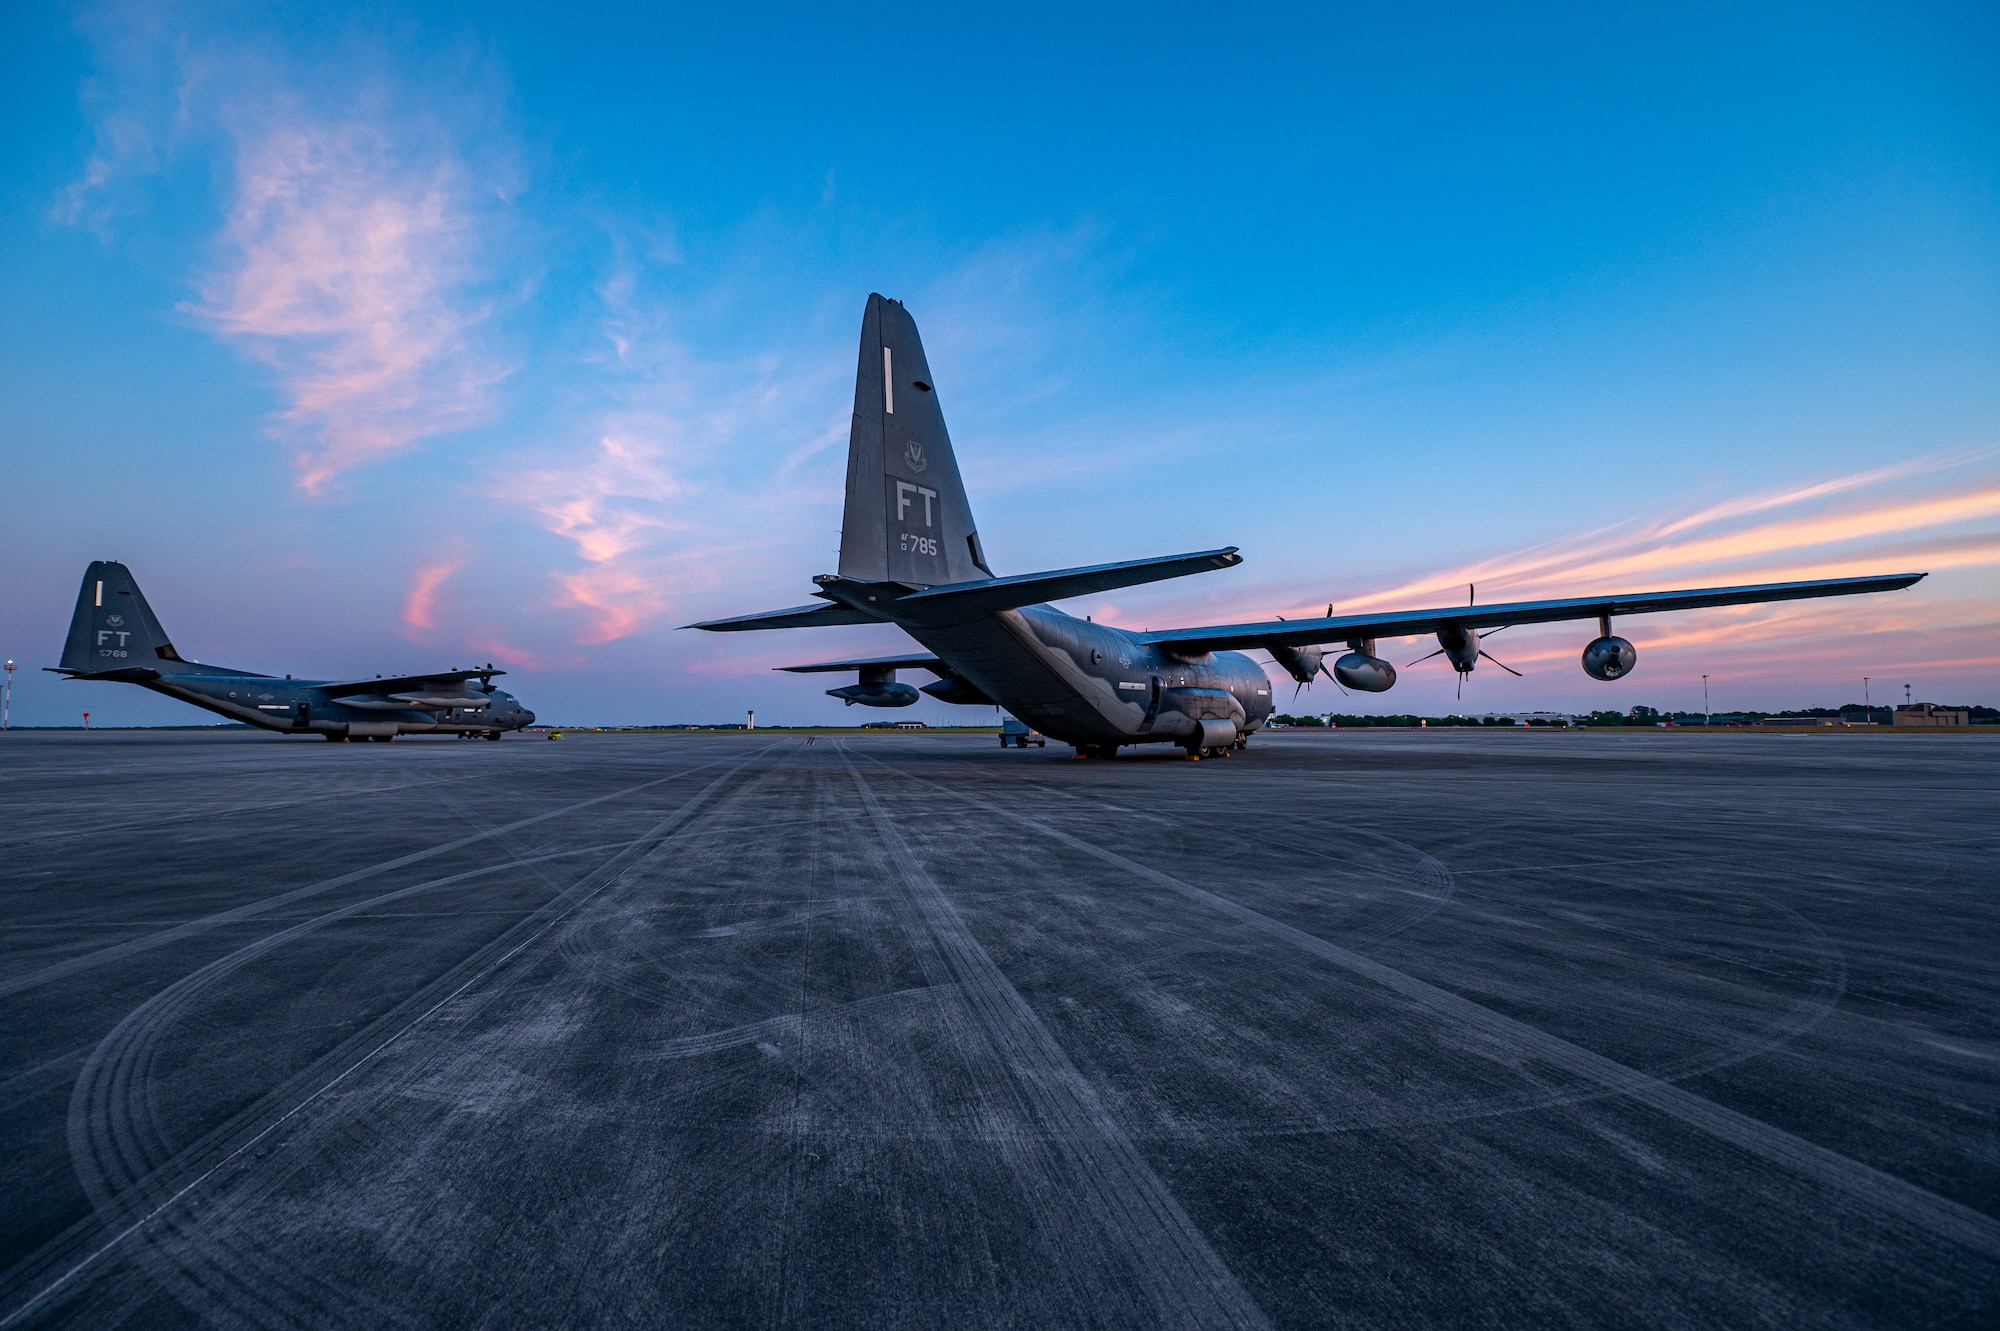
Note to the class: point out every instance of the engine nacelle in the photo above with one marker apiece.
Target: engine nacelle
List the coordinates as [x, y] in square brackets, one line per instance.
[1302, 663]
[1364, 673]
[1460, 646]
[1609, 658]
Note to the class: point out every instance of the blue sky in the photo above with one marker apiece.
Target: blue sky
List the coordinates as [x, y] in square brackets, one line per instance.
[414, 336]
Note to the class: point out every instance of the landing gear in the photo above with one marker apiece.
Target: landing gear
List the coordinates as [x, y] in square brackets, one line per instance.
[494, 736]
[1099, 751]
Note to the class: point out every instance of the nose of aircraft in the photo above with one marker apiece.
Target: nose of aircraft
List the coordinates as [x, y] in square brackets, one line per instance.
[527, 718]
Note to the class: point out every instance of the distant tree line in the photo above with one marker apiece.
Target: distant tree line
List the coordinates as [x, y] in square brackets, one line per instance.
[1362, 722]
[1637, 716]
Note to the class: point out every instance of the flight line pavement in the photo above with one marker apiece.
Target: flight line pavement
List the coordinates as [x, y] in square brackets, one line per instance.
[1372, 1029]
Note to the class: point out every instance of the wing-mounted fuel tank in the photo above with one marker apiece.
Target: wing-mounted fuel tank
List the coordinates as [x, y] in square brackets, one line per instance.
[1363, 671]
[1608, 657]
[878, 688]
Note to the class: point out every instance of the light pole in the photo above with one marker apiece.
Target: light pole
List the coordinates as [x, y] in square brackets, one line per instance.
[7, 699]
[1867, 711]
[1704, 702]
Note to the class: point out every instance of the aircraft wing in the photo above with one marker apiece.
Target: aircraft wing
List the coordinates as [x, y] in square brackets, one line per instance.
[416, 684]
[930, 663]
[1399, 624]
[798, 617]
[989, 594]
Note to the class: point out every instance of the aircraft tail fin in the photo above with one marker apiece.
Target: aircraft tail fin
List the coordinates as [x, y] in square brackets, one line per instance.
[114, 629]
[907, 519]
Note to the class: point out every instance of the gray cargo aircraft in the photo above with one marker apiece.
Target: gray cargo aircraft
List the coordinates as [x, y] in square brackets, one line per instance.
[910, 556]
[114, 636]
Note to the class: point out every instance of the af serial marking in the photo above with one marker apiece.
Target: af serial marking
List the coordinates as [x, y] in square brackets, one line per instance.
[994, 640]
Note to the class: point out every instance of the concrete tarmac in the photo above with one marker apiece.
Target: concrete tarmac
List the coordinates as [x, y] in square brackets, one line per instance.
[1372, 1029]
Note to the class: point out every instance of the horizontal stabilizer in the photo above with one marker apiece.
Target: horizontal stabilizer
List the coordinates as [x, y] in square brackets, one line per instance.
[930, 663]
[417, 684]
[1336, 628]
[125, 675]
[960, 600]
[798, 617]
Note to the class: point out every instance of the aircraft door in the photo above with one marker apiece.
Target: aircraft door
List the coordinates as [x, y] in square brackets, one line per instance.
[302, 720]
[1159, 691]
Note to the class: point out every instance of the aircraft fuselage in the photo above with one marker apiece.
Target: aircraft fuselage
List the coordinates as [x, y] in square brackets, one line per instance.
[1090, 684]
[301, 706]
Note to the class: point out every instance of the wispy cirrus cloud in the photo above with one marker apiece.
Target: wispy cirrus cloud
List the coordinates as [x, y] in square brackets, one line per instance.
[351, 269]
[362, 214]
[1935, 510]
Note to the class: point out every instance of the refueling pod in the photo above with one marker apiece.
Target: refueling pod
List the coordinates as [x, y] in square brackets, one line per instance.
[1607, 657]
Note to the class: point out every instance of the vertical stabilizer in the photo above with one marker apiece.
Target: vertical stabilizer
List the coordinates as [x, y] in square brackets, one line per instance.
[114, 628]
[907, 519]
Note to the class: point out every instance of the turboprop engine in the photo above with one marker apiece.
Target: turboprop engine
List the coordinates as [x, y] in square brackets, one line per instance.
[878, 688]
[1302, 663]
[1460, 646]
[1364, 671]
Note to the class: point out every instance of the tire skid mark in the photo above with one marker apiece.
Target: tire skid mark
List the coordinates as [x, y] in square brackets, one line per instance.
[1075, 1154]
[122, 1153]
[128, 1192]
[582, 942]
[119, 951]
[789, 1024]
[1801, 1016]
[1516, 1043]
[96, 829]
[1435, 883]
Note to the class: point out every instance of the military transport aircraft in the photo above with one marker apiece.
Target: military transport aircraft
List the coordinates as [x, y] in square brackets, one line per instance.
[910, 556]
[115, 636]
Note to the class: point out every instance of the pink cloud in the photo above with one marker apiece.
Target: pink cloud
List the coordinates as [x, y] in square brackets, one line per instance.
[350, 272]
[420, 606]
